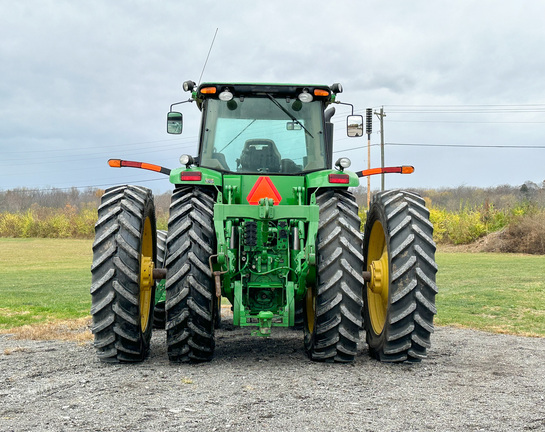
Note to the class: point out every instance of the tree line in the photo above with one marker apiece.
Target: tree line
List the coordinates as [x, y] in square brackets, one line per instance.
[460, 215]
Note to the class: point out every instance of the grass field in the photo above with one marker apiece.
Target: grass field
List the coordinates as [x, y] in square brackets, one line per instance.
[44, 280]
[503, 293]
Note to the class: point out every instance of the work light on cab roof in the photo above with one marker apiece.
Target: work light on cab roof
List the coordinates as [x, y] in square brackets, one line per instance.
[343, 163]
[187, 160]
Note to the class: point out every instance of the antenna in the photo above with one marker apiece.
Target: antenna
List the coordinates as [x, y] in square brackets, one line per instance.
[206, 61]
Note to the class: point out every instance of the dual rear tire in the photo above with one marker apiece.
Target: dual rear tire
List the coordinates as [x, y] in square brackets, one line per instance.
[159, 315]
[125, 249]
[396, 307]
[122, 288]
[191, 302]
[332, 308]
[399, 252]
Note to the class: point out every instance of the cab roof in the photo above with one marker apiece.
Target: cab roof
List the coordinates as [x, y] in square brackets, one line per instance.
[214, 89]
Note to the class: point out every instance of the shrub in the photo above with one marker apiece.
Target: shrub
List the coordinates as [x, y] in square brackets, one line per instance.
[50, 223]
[525, 234]
[84, 223]
[11, 225]
[362, 213]
[463, 227]
[162, 222]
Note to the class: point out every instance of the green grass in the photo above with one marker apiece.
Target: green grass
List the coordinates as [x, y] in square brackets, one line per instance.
[503, 293]
[49, 279]
[43, 280]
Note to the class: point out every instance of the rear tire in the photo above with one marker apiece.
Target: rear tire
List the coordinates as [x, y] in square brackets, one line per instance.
[159, 315]
[332, 309]
[400, 299]
[122, 290]
[217, 319]
[191, 302]
[299, 320]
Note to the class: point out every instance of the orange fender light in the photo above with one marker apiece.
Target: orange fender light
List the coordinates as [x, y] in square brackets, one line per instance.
[118, 163]
[405, 169]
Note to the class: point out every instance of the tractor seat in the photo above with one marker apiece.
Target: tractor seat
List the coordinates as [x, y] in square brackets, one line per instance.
[260, 155]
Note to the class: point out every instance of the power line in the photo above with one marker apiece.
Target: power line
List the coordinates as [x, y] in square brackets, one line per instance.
[355, 148]
[467, 111]
[111, 148]
[465, 122]
[469, 105]
[445, 145]
[90, 157]
[86, 187]
[466, 145]
[466, 105]
[463, 109]
[106, 147]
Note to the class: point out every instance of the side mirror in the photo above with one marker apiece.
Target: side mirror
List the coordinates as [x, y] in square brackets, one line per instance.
[175, 122]
[354, 125]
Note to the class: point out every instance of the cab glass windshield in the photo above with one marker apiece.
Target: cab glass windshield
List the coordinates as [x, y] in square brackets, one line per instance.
[263, 135]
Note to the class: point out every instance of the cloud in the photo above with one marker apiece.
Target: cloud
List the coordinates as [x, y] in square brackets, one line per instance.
[83, 81]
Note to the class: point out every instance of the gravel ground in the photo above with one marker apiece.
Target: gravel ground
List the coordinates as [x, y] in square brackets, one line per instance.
[471, 381]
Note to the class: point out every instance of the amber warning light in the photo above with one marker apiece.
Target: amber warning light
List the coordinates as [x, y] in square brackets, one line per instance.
[320, 92]
[118, 163]
[405, 169]
[209, 90]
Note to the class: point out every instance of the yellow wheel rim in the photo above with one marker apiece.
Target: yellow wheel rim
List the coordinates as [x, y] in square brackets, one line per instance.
[146, 275]
[377, 287]
[310, 308]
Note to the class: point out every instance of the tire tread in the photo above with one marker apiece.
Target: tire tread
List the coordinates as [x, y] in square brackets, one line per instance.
[338, 291]
[409, 323]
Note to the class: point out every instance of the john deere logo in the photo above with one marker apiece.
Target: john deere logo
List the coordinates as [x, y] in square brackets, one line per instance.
[263, 188]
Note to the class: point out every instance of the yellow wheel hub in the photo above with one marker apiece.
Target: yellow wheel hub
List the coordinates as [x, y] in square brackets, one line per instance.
[146, 275]
[377, 287]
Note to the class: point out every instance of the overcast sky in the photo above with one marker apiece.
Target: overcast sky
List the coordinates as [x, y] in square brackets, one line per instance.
[462, 83]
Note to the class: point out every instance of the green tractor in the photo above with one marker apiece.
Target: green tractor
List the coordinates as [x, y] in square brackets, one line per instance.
[260, 218]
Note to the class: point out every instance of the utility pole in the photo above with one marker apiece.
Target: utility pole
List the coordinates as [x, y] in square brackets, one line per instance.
[381, 116]
[369, 130]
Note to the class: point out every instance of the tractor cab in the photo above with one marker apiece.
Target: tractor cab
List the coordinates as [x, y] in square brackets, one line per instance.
[261, 128]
